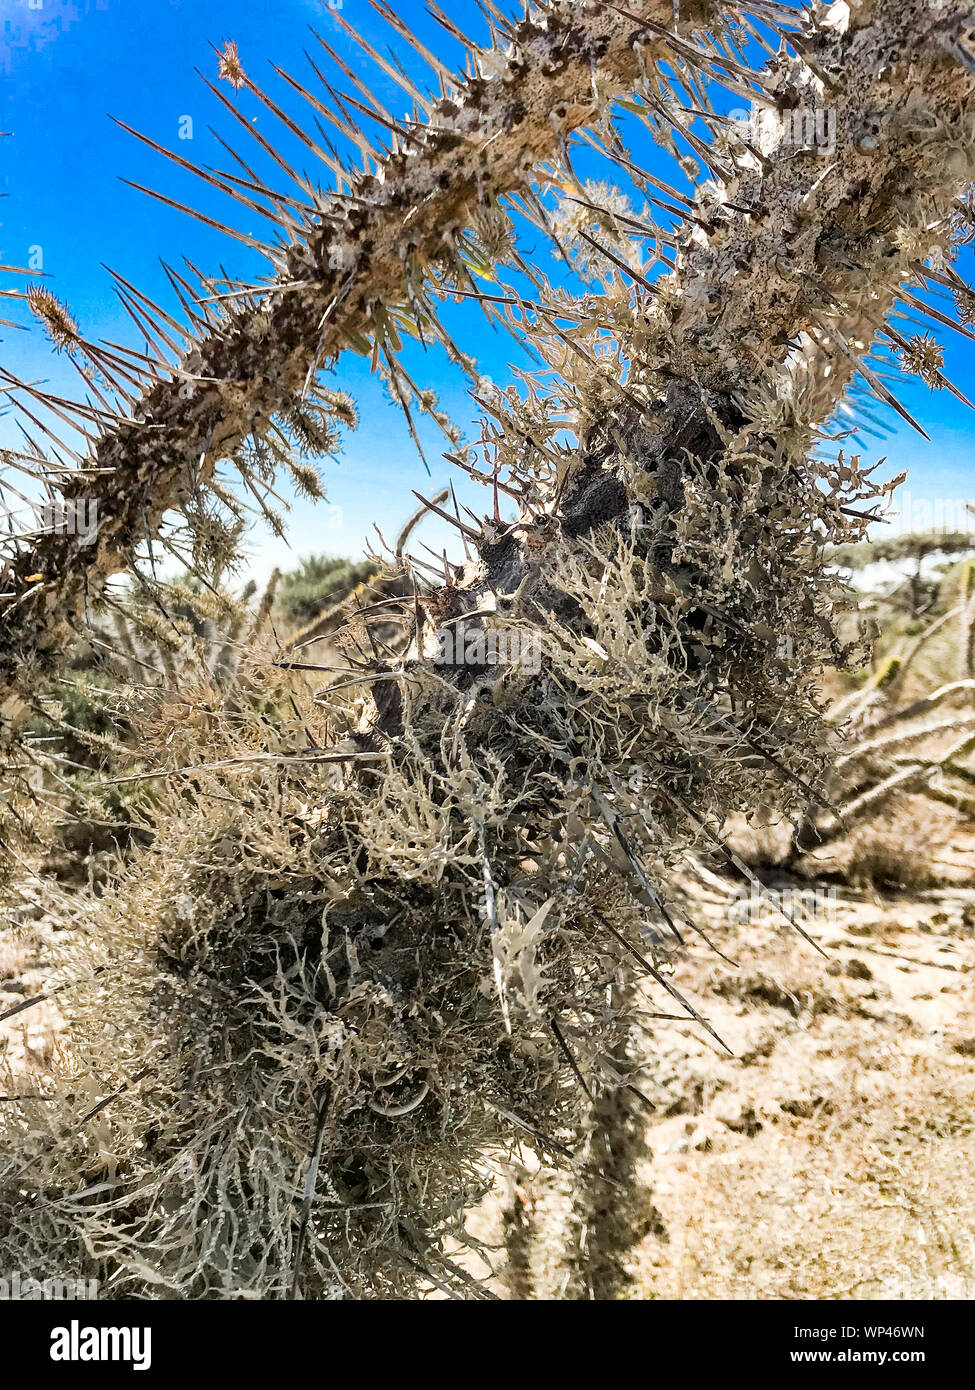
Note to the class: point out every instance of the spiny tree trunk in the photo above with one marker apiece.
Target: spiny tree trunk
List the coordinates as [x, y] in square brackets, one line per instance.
[517, 1227]
[610, 1210]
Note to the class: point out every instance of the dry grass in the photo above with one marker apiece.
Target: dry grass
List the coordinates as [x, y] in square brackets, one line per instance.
[902, 851]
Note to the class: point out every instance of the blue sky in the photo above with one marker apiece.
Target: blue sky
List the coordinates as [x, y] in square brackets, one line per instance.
[67, 65]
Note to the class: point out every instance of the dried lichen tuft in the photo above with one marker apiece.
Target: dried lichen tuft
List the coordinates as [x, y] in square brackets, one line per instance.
[924, 356]
[229, 66]
[57, 321]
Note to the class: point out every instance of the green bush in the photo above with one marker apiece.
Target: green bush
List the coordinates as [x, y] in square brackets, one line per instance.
[318, 582]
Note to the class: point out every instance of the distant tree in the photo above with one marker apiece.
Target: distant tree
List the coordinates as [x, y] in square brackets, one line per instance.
[317, 583]
[912, 549]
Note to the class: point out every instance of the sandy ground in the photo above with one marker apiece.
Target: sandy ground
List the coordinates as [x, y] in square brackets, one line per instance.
[833, 1157]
